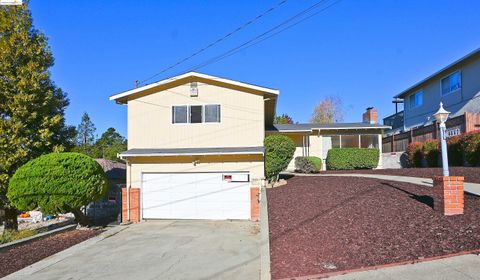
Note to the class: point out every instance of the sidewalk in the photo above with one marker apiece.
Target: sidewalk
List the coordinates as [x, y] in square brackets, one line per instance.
[472, 188]
[464, 267]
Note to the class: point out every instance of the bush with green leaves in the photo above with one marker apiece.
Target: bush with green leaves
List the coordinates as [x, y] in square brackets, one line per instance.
[308, 164]
[415, 154]
[352, 158]
[58, 183]
[455, 150]
[431, 152]
[279, 151]
[471, 148]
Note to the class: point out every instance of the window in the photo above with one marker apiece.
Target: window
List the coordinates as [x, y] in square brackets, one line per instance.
[416, 99]
[196, 114]
[349, 141]
[212, 113]
[369, 141]
[451, 83]
[179, 114]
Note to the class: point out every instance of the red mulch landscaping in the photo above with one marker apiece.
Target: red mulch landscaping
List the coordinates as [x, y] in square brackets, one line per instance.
[471, 174]
[327, 224]
[16, 258]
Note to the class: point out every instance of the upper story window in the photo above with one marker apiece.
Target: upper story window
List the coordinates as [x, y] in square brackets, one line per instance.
[451, 83]
[196, 114]
[416, 99]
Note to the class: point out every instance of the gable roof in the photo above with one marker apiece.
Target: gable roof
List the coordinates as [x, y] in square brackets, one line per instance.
[123, 97]
[441, 72]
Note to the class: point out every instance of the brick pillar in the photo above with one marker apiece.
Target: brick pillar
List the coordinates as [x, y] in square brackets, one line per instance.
[448, 195]
[254, 205]
[134, 205]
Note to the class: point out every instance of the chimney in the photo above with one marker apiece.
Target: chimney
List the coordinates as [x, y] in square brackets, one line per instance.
[370, 116]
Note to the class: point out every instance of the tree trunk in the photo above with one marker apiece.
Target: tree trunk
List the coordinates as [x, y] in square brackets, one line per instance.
[81, 218]
[11, 218]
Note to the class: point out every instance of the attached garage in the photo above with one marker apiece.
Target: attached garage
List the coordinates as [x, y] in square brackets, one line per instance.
[201, 195]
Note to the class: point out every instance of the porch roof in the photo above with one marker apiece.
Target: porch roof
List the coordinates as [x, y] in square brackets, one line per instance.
[309, 127]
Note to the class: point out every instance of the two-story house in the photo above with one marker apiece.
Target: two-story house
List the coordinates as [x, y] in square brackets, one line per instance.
[457, 86]
[195, 146]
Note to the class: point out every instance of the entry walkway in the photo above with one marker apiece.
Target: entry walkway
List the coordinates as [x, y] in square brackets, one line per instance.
[472, 188]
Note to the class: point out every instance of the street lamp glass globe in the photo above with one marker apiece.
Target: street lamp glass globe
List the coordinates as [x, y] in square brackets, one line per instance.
[441, 115]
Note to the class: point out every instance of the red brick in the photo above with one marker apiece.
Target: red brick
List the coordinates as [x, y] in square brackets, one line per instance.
[255, 204]
[448, 195]
[134, 205]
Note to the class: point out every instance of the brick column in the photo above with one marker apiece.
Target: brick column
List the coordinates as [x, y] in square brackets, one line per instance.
[448, 196]
[254, 204]
[134, 205]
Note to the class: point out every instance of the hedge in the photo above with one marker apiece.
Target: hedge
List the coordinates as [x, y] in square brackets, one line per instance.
[455, 150]
[279, 150]
[58, 183]
[308, 164]
[471, 148]
[415, 154]
[431, 152]
[352, 158]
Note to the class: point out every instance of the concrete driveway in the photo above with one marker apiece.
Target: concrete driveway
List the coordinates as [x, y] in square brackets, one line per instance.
[165, 250]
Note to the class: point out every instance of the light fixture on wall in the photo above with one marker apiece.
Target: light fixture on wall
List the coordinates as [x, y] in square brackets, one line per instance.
[195, 162]
[193, 89]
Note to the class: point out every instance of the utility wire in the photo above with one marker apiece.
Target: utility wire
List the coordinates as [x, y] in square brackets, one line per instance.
[216, 41]
[266, 35]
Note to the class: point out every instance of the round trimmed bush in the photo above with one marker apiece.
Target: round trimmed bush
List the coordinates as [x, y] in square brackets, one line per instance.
[279, 150]
[58, 183]
[308, 164]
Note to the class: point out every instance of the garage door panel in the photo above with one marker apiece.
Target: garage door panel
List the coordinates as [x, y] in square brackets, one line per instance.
[194, 196]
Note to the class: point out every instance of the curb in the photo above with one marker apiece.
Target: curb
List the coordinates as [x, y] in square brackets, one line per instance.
[58, 257]
[264, 237]
[9, 245]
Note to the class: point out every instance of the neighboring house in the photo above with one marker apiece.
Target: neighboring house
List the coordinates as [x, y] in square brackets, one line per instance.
[195, 146]
[457, 86]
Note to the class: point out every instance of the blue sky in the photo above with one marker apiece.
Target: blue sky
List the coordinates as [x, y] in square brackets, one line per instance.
[363, 51]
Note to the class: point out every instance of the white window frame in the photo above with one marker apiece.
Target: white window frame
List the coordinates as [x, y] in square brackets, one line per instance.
[189, 114]
[414, 95]
[451, 91]
[173, 114]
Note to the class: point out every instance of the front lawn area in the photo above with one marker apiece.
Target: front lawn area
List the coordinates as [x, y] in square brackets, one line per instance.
[327, 224]
[23, 255]
[471, 174]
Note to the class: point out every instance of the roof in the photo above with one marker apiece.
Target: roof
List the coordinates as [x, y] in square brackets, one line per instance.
[113, 169]
[438, 73]
[122, 95]
[192, 151]
[308, 127]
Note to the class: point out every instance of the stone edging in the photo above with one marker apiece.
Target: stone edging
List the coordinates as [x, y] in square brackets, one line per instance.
[35, 237]
[264, 238]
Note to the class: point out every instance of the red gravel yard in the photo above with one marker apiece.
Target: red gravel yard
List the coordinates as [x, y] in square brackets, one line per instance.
[26, 254]
[471, 174]
[329, 224]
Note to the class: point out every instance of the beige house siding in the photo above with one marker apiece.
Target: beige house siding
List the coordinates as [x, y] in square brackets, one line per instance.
[242, 119]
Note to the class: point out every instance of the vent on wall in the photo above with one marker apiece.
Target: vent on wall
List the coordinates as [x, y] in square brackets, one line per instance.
[193, 89]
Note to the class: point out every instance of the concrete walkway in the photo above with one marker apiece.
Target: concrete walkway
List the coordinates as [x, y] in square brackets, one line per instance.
[464, 267]
[469, 187]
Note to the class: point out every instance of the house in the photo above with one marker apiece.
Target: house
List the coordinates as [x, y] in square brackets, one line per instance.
[456, 85]
[195, 146]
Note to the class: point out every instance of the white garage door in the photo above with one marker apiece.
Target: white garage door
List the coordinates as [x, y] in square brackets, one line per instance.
[195, 196]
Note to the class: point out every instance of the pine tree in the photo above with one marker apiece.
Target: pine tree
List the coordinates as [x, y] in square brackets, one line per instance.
[31, 105]
[85, 135]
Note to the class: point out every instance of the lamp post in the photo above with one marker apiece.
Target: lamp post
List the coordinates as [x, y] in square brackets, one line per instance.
[441, 116]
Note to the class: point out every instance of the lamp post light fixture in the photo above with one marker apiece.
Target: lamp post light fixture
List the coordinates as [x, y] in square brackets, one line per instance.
[441, 116]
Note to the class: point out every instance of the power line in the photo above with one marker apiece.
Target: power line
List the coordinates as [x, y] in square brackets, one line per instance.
[260, 38]
[217, 41]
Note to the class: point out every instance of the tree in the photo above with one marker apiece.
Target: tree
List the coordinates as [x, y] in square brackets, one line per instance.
[85, 135]
[329, 110]
[58, 183]
[31, 105]
[110, 144]
[279, 150]
[283, 119]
